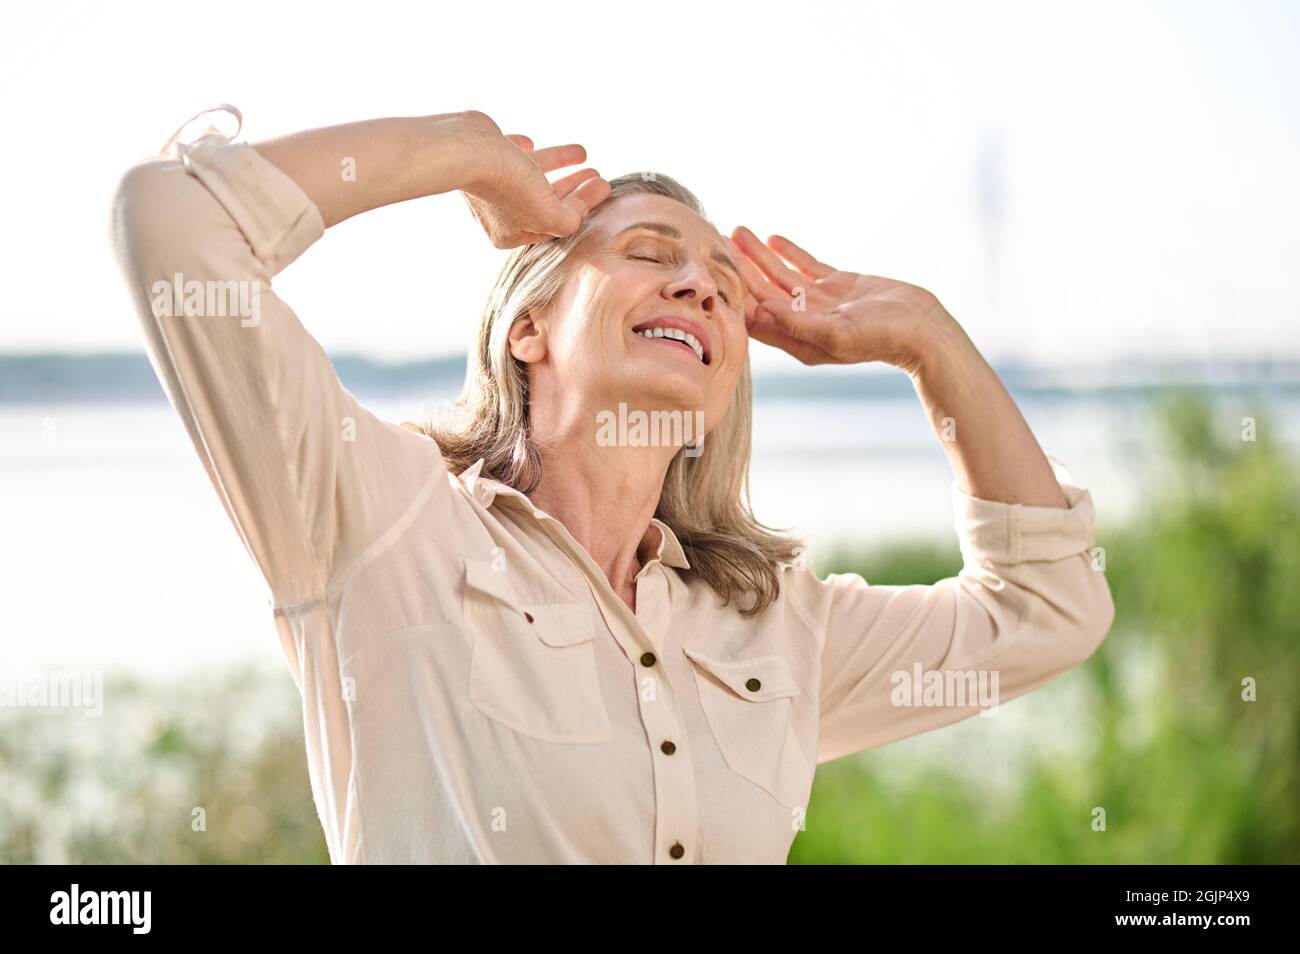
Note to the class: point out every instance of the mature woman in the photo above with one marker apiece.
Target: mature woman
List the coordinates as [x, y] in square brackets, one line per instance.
[521, 635]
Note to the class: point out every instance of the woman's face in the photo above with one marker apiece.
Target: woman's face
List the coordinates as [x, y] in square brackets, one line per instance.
[651, 263]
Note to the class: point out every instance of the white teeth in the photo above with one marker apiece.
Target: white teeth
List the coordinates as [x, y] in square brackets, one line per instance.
[677, 335]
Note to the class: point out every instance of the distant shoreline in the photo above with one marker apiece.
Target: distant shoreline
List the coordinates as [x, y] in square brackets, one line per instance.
[126, 377]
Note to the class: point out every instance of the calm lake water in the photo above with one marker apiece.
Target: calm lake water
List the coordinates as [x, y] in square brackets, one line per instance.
[117, 553]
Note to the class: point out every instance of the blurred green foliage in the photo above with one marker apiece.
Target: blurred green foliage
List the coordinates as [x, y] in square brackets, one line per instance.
[1206, 586]
[1153, 728]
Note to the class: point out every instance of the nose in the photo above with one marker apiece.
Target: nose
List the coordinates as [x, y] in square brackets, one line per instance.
[694, 283]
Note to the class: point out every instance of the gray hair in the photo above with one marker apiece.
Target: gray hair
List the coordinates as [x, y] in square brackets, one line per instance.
[705, 498]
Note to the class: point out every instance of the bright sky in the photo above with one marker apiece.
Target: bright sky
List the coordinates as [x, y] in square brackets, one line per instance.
[1073, 180]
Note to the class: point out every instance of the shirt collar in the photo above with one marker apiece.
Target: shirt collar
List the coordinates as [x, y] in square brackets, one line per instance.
[667, 548]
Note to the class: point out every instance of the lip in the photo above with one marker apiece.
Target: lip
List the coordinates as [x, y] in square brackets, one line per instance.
[681, 324]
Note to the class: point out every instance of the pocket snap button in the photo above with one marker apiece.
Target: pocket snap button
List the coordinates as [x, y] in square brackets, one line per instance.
[528, 616]
[753, 685]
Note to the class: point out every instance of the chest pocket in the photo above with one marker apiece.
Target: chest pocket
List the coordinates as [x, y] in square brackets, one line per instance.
[749, 704]
[533, 666]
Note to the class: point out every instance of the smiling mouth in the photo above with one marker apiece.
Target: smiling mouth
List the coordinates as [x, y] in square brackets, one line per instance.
[675, 336]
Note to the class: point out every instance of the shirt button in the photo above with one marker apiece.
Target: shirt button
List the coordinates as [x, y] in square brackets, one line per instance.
[647, 659]
[677, 850]
[753, 685]
[529, 616]
[668, 748]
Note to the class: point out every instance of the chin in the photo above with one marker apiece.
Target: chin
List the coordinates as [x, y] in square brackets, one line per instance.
[662, 389]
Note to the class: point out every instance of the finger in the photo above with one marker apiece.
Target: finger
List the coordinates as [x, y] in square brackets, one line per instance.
[591, 193]
[820, 331]
[557, 157]
[800, 259]
[523, 142]
[766, 331]
[751, 307]
[562, 187]
[579, 203]
[766, 260]
[755, 283]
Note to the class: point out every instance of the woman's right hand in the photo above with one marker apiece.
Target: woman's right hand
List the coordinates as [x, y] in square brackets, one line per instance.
[509, 193]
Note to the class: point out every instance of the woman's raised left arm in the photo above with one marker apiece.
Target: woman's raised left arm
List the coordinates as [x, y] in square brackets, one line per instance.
[823, 315]
[1029, 603]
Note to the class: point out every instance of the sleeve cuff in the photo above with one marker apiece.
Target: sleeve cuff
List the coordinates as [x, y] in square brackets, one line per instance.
[1006, 533]
[277, 218]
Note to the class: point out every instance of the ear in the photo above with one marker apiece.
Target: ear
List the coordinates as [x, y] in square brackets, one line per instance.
[527, 339]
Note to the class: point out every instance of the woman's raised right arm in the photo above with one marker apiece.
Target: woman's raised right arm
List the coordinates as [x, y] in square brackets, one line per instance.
[308, 476]
[353, 168]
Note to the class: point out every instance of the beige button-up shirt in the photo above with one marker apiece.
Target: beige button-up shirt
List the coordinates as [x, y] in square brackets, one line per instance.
[473, 689]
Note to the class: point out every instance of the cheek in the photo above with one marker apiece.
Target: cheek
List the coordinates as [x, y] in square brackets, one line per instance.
[588, 349]
[722, 392]
[722, 388]
[581, 339]
[578, 358]
[736, 345]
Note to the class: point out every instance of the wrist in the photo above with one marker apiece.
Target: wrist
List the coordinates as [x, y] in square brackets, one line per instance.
[469, 146]
[452, 151]
[941, 343]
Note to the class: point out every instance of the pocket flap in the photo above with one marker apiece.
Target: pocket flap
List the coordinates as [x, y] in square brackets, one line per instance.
[561, 624]
[484, 577]
[760, 679]
[555, 624]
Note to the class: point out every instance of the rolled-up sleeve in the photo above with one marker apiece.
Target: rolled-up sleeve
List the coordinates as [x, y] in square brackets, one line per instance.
[307, 475]
[1030, 602]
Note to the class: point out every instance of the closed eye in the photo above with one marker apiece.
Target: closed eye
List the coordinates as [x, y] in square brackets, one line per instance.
[645, 258]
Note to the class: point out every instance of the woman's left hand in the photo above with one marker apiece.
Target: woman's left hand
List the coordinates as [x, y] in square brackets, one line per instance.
[822, 315]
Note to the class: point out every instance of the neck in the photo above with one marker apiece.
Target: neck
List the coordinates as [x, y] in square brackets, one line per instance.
[605, 497]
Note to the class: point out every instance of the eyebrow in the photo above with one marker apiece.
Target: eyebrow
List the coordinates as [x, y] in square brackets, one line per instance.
[663, 228]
